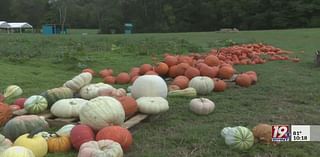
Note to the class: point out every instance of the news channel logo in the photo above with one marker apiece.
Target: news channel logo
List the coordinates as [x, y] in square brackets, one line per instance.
[280, 133]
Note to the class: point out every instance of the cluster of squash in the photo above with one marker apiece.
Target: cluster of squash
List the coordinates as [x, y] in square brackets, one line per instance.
[101, 108]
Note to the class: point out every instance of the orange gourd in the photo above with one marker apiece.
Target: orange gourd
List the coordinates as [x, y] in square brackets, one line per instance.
[59, 144]
[181, 69]
[253, 76]
[173, 71]
[92, 72]
[225, 72]
[109, 80]
[145, 68]
[151, 73]
[5, 113]
[212, 60]
[105, 72]
[209, 71]
[192, 72]
[243, 80]
[219, 85]
[181, 81]
[129, 105]
[123, 78]
[170, 60]
[161, 68]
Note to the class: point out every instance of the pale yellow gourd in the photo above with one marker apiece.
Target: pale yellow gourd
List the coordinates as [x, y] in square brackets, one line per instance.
[78, 81]
[152, 105]
[187, 92]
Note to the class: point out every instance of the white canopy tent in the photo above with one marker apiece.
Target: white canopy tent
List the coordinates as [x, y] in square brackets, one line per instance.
[4, 24]
[20, 26]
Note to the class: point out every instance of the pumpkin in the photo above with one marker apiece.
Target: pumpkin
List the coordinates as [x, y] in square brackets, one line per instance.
[145, 68]
[133, 79]
[5, 113]
[119, 92]
[81, 134]
[78, 81]
[238, 137]
[23, 124]
[17, 151]
[35, 104]
[1, 97]
[65, 130]
[171, 60]
[202, 84]
[20, 102]
[109, 80]
[201, 106]
[192, 72]
[102, 111]
[151, 73]
[92, 90]
[56, 94]
[173, 88]
[68, 108]
[219, 85]
[243, 80]
[36, 143]
[4, 143]
[59, 144]
[182, 68]
[225, 72]
[12, 91]
[181, 81]
[117, 134]
[212, 60]
[161, 68]
[91, 71]
[152, 105]
[103, 148]
[129, 105]
[156, 86]
[263, 133]
[187, 92]
[253, 76]
[106, 72]
[123, 78]
[173, 71]
[209, 71]
[15, 107]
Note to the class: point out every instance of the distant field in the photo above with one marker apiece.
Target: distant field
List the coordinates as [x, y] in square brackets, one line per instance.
[287, 93]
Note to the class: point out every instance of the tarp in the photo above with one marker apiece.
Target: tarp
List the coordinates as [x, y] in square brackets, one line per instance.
[20, 25]
[4, 24]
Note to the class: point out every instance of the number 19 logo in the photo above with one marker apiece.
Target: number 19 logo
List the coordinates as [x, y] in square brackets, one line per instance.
[280, 133]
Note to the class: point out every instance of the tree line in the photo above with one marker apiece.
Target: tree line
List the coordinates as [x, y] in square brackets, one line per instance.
[165, 15]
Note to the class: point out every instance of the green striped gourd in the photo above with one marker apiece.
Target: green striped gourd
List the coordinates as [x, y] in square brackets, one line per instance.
[56, 94]
[238, 137]
[35, 104]
[187, 92]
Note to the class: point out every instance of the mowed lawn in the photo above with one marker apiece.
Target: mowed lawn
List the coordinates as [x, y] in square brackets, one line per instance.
[286, 92]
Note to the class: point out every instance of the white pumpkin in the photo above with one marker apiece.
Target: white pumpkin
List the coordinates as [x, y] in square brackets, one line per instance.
[149, 86]
[202, 84]
[152, 105]
[102, 148]
[17, 151]
[4, 143]
[102, 111]
[68, 108]
[202, 106]
[65, 130]
[79, 81]
[92, 90]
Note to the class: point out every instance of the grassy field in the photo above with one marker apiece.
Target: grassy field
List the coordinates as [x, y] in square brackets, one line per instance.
[287, 93]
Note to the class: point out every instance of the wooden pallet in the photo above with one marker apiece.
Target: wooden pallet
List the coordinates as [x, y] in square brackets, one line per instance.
[59, 122]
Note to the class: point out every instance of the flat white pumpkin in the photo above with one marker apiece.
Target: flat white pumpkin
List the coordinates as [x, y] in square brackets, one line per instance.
[92, 90]
[149, 86]
[78, 81]
[68, 108]
[152, 105]
[201, 106]
[4, 143]
[102, 148]
[102, 111]
[202, 84]
[17, 151]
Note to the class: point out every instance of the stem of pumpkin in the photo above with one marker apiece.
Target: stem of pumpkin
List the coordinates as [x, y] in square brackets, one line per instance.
[34, 132]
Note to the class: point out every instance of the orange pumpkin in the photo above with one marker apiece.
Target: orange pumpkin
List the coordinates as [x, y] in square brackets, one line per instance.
[181, 69]
[209, 71]
[243, 80]
[151, 73]
[109, 80]
[219, 85]
[129, 105]
[253, 76]
[5, 114]
[162, 69]
[105, 72]
[185, 59]
[225, 72]
[181, 81]
[123, 78]
[117, 134]
[170, 60]
[173, 71]
[59, 144]
[133, 79]
[145, 68]
[192, 72]
[92, 72]
[212, 60]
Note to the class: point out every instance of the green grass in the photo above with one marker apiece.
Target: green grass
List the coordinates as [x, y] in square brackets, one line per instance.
[287, 93]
